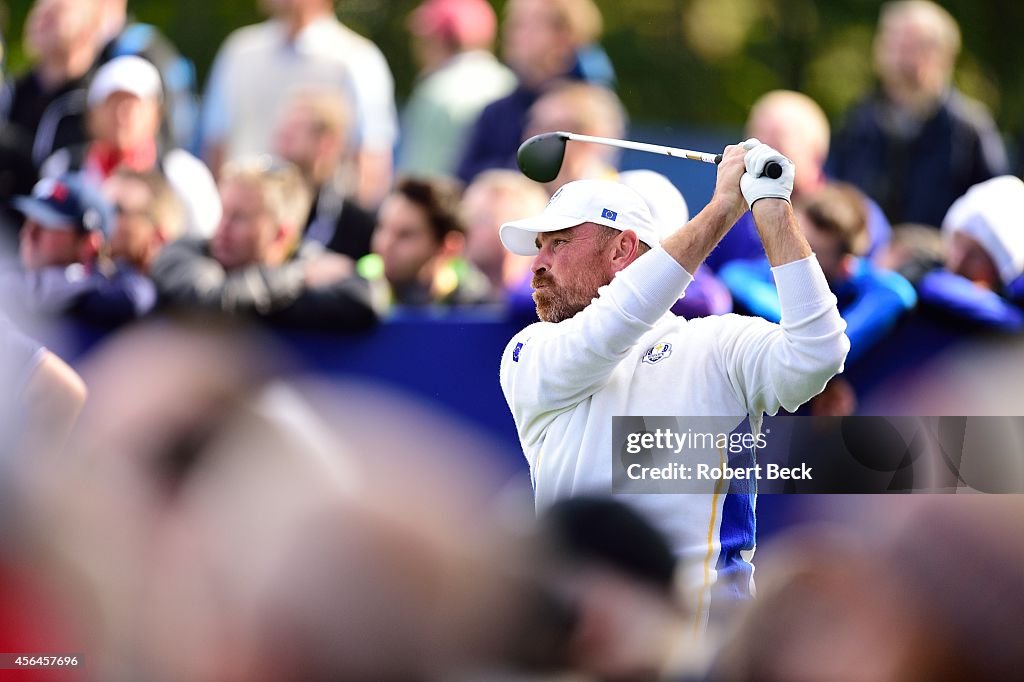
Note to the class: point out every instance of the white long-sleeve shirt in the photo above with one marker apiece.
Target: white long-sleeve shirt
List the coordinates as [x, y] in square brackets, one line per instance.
[564, 382]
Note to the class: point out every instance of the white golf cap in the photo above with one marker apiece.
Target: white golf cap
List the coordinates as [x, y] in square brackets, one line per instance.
[990, 213]
[129, 74]
[584, 201]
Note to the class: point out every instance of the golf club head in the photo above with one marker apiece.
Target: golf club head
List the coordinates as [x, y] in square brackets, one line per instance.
[540, 157]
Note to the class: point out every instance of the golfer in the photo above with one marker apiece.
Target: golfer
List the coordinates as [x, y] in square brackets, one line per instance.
[606, 345]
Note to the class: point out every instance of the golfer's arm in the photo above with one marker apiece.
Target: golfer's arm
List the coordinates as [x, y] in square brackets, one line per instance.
[691, 244]
[779, 231]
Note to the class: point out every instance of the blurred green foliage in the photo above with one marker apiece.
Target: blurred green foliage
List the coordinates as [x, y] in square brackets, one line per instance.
[682, 62]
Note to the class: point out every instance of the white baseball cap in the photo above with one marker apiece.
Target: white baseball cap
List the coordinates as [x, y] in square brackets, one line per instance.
[129, 74]
[990, 213]
[603, 202]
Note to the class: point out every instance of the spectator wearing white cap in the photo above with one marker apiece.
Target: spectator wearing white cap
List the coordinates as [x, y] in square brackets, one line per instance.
[983, 280]
[459, 76]
[121, 35]
[606, 345]
[124, 130]
[986, 238]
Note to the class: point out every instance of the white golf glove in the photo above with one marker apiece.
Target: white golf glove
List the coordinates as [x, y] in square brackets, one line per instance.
[756, 186]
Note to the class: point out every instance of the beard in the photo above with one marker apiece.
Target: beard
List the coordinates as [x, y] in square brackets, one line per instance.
[557, 302]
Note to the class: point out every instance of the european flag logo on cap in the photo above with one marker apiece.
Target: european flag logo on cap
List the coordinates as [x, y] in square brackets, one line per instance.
[609, 214]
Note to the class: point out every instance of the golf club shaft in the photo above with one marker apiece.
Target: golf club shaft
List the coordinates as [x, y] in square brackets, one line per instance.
[645, 147]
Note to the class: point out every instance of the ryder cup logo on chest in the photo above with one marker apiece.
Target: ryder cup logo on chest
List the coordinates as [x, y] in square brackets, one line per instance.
[657, 353]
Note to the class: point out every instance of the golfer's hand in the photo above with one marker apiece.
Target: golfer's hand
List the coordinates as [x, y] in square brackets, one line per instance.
[754, 184]
[727, 186]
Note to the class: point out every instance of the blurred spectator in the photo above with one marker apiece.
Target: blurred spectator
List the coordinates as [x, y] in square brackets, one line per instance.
[46, 107]
[259, 68]
[540, 39]
[927, 593]
[495, 197]
[231, 508]
[796, 125]
[417, 248]
[66, 223]
[124, 130]
[871, 300]
[250, 268]
[18, 175]
[315, 134]
[585, 109]
[451, 42]
[619, 574]
[705, 295]
[148, 215]
[913, 251]
[917, 143]
[986, 240]
[179, 104]
[983, 280]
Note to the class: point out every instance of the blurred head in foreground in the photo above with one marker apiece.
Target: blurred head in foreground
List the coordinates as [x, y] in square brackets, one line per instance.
[932, 598]
[231, 514]
[618, 572]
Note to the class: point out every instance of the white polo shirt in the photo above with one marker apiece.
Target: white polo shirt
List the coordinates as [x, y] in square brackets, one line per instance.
[258, 70]
[564, 382]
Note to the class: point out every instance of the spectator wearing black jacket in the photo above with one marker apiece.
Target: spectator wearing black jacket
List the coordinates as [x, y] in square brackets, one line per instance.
[251, 268]
[46, 106]
[917, 143]
[314, 134]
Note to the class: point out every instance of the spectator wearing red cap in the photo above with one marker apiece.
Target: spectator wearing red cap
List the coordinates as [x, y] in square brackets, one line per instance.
[459, 76]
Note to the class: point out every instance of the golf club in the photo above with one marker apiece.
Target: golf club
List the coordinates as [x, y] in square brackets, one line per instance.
[540, 157]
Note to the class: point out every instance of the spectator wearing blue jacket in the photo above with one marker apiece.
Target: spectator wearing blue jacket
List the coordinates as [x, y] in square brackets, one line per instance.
[982, 284]
[541, 42]
[871, 300]
[797, 126]
[66, 225]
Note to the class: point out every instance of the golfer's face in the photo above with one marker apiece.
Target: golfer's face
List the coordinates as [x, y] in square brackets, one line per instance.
[571, 266]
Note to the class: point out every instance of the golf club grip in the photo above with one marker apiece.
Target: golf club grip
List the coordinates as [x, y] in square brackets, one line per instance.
[773, 169]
